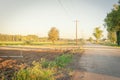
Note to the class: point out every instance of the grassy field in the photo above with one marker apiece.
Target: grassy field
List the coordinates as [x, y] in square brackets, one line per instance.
[4, 43]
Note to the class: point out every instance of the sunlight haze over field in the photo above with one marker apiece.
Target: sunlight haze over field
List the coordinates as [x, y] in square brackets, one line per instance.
[38, 16]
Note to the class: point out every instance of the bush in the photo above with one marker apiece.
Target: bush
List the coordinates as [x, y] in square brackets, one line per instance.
[60, 61]
[35, 73]
[43, 70]
[63, 60]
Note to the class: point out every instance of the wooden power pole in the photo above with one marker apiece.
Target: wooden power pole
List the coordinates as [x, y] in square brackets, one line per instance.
[76, 22]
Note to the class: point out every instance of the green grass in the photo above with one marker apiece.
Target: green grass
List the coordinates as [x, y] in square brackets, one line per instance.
[5, 43]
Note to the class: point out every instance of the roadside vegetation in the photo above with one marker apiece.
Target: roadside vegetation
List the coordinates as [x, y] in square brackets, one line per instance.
[40, 65]
[44, 69]
[112, 25]
[112, 22]
[97, 34]
[108, 43]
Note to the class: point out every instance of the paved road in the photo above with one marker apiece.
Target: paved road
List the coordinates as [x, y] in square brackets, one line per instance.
[100, 63]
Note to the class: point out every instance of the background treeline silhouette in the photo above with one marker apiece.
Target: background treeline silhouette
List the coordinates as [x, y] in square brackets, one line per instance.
[6, 37]
[30, 37]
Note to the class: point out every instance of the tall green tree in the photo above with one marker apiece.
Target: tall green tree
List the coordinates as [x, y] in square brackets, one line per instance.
[112, 36]
[97, 34]
[112, 21]
[53, 34]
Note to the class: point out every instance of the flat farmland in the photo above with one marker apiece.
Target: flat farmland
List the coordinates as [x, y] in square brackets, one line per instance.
[13, 58]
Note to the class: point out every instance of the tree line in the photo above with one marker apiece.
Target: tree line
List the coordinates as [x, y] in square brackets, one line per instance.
[7, 37]
[53, 35]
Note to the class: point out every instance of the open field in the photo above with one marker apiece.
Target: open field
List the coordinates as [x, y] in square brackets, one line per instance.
[36, 43]
[17, 43]
[13, 60]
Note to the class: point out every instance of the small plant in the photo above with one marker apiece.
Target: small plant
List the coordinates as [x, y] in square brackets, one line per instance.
[47, 64]
[63, 60]
[35, 73]
[44, 63]
[60, 61]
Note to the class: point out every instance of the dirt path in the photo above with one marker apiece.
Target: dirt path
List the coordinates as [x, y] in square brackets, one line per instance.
[99, 63]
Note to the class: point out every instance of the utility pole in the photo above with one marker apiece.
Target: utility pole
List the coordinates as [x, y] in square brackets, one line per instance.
[76, 22]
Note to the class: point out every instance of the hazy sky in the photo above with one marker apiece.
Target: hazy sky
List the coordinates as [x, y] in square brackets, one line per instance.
[38, 16]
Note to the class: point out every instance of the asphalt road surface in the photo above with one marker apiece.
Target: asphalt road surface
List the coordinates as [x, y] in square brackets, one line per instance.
[99, 63]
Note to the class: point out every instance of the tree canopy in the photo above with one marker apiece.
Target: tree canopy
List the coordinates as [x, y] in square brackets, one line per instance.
[112, 36]
[97, 33]
[112, 21]
[53, 34]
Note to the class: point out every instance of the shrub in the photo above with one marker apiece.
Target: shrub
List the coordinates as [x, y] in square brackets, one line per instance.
[47, 64]
[63, 60]
[35, 73]
[43, 70]
[60, 61]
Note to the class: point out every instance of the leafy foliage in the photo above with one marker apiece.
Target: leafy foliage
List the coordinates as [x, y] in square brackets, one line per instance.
[97, 33]
[112, 21]
[53, 34]
[112, 36]
[60, 61]
[35, 73]
[63, 60]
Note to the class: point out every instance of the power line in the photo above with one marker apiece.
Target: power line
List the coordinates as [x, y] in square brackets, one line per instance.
[64, 9]
[76, 21]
